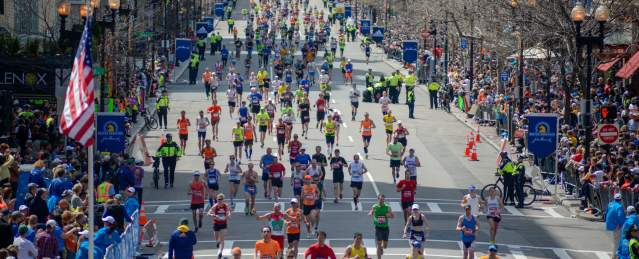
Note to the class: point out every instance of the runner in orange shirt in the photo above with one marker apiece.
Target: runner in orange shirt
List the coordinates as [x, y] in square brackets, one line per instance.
[183, 129]
[215, 110]
[267, 248]
[366, 127]
[207, 79]
[293, 224]
[208, 153]
[249, 135]
[310, 194]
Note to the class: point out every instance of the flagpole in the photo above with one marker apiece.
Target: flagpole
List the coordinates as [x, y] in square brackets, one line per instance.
[90, 191]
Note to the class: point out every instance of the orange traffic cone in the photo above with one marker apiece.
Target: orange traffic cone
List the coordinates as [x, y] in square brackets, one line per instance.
[469, 146]
[473, 155]
[142, 217]
[477, 138]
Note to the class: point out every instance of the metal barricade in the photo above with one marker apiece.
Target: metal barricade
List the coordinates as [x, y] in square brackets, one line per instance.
[128, 247]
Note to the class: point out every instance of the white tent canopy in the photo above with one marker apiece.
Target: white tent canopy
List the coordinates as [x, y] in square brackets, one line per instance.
[534, 53]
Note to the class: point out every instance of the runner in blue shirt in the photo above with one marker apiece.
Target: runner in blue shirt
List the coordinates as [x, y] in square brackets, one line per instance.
[302, 158]
[255, 98]
[243, 111]
[266, 160]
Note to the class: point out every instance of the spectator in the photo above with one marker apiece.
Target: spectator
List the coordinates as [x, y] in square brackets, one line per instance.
[45, 241]
[37, 174]
[131, 204]
[76, 201]
[5, 227]
[83, 248]
[182, 241]
[615, 218]
[115, 209]
[107, 235]
[39, 207]
[26, 249]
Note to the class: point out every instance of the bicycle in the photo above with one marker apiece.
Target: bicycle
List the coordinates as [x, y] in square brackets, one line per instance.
[530, 193]
[156, 172]
[150, 121]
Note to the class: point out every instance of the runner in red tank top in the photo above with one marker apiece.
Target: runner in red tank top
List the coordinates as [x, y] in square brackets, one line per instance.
[220, 213]
[197, 190]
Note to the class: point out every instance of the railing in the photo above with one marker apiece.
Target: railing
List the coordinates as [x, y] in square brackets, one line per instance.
[130, 241]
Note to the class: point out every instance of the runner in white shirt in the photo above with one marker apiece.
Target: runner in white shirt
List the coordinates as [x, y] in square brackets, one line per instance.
[202, 123]
[385, 101]
[235, 175]
[354, 96]
[475, 201]
[357, 169]
[411, 162]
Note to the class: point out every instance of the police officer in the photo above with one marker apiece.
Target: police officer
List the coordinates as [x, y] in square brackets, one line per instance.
[520, 179]
[370, 78]
[507, 171]
[201, 47]
[410, 101]
[433, 88]
[169, 152]
[193, 66]
[409, 84]
[394, 86]
[213, 42]
[162, 106]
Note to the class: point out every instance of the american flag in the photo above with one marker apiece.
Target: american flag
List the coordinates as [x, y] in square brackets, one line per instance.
[77, 120]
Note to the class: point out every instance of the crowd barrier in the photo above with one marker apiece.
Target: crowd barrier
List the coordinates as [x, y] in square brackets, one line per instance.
[130, 241]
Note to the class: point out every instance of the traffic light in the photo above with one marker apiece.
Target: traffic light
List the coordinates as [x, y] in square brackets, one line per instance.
[608, 113]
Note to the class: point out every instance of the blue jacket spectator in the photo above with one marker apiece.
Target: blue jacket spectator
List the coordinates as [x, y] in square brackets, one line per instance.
[107, 235]
[615, 215]
[126, 178]
[182, 241]
[83, 249]
[131, 204]
[37, 174]
[631, 220]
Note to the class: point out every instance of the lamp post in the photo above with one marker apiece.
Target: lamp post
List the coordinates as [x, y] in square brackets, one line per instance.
[64, 9]
[578, 15]
[433, 31]
[114, 5]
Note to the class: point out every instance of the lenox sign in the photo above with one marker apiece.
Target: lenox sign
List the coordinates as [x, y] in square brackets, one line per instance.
[30, 79]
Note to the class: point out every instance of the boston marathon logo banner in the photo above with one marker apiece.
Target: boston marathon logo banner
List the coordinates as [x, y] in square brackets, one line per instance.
[542, 134]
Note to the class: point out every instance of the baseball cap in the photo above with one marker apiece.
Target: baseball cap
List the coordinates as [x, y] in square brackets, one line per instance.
[472, 188]
[23, 229]
[415, 206]
[308, 177]
[84, 233]
[467, 206]
[23, 207]
[492, 248]
[617, 196]
[294, 200]
[131, 189]
[118, 197]
[51, 223]
[631, 209]
[108, 219]
[66, 193]
[196, 173]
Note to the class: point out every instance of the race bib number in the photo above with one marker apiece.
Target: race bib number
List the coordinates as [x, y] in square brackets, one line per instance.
[408, 194]
[277, 225]
[309, 196]
[277, 175]
[221, 217]
[212, 180]
[381, 219]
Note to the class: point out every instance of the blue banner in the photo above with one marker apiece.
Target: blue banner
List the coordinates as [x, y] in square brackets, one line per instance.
[210, 23]
[409, 54]
[201, 29]
[219, 9]
[504, 76]
[542, 134]
[378, 34]
[348, 11]
[463, 43]
[110, 132]
[365, 27]
[22, 189]
[183, 49]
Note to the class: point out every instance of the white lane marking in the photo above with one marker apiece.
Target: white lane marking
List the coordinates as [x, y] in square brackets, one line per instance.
[333, 100]
[434, 207]
[516, 252]
[552, 212]
[345, 126]
[439, 201]
[275, 139]
[513, 211]
[239, 207]
[461, 247]
[370, 178]
[602, 255]
[561, 253]
[350, 139]
[352, 206]
[161, 209]
[395, 206]
[228, 246]
[371, 248]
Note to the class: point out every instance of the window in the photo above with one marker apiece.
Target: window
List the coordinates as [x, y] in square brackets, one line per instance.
[26, 22]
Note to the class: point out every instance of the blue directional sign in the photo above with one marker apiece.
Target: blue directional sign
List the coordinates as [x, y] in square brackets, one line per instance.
[210, 23]
[183, 49]
[378, 34]
[219, 9]
[348, 11]
[542, 134]
[365, 27]
[463, 43]
[504, 76]
[201, 29]
[409, 54]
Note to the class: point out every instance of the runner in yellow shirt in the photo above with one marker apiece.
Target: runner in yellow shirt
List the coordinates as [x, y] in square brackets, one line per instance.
[238, 140]
[262, 122]
[389, 121]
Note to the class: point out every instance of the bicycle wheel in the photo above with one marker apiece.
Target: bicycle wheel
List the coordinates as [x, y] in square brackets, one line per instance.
[484, 191]
[153, 123]
[156, 178]
[530, 195]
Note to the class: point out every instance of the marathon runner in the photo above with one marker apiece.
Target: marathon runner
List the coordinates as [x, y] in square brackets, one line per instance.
[216, 111]
[202, 123]
[207, 79]
[407, 188]
[197, 191]
[389, 120]
[321, 105]
[337, 164]
[366, 127]
[400, 133]
[231, 95]
[276, 222]
[208, 153]
[294, 147]
[385, 101]
[270, 110]
[381, 213]
[337, 119]
[254, 98]
[475, 201]
[297, 180]
[250, 189]
[183, 129]
[349, 71]
[277, 172]
[395, 151]
[293, 225]
[280, 133]
[356, 250]
[310, 194]
[356, 170]
[354, 97]
[411, 162]
[304, 108]
[265, 161]
[220, 212]
[263, 119]
[267, 248]
[235, 176]
[494, 205]
[249, 135]
[243, 112]
[322, 162]
[320, 250]
[213, 178]
[238, 140]
[416, 227]
[468, 226]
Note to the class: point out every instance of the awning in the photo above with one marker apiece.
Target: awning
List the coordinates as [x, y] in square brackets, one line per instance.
[629, 68]
[603, 67]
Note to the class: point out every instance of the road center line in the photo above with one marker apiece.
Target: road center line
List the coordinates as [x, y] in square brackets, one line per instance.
[513, 210]
[370, 178]
[434, 207]
[517, 253]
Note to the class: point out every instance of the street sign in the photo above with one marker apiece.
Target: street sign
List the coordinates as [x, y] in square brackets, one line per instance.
[143, 34]
[219, 9]
[183, 49]
[608, 134]
[542, 134]
[98, 71]
[209, 20]
[504, 76]
[201, 29]
[348, 11]
[463, 43]
[378, 34]
[365, 27]
[409, 48]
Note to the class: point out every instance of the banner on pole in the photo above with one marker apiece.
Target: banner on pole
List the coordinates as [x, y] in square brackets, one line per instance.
[110, 132]
[542, 134]
[183, 49]
[409, 54]
[365, 27]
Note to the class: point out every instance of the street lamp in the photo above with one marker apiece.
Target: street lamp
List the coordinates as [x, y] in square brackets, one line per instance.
[64, 9]
[114, 5]
[578, 15]
[83, 11]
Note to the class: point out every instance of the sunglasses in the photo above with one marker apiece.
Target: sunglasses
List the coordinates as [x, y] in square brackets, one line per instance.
[266, 231]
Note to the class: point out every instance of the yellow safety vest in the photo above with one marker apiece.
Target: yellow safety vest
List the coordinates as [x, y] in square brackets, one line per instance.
[102, 193]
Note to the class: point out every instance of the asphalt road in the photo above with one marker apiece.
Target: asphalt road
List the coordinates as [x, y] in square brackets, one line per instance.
[541, 231]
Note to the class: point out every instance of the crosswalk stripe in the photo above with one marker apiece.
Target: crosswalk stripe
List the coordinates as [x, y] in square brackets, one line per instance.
[602, 255]
[395, 206]
[161, 209]
[516, 252]
[228, 246]
[371, 248]
[434, 207]
[352, 206]
[561, 253]
[345, 126]
[551, 211]
[513, 211]
[350, 139]
[239, 207]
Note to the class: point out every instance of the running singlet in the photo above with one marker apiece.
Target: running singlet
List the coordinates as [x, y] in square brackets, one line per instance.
[248, 132]
[388, 122]
[308, 194]
[379, 215]
[197, 192]
[220, 210]
[276, 170]
[215, 110]
[293, 226]
[410, 162]
[183, 126]
[297, 179]
[262, 118]
[202, 123]
[493, 206]
[294, 147]
[212, 176]
[207, 77]
[359, 252]
[234, 172]
[330, 128]
[280, 129]
[401, 132]
[314, 172]
[209, 152]
[367, 128]
[408, 191]
[267, 250]
[277, 224]
[321, 103]
[238, 134]
[356, 172]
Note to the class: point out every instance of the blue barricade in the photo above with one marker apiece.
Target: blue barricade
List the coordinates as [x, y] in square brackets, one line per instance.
[130, 241]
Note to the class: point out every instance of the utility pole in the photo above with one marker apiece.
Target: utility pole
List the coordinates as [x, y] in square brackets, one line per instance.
[472, 53]
[446, 51]
[153, 38]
